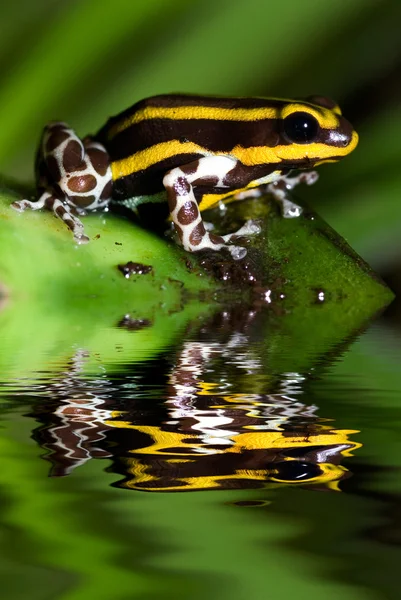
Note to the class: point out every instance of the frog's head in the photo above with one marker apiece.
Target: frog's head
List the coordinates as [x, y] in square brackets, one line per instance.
[314, 132]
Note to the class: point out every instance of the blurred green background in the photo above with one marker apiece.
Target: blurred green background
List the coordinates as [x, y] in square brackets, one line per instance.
[84, 60]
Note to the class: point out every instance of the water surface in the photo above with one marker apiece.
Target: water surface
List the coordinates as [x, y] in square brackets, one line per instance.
[205, 470]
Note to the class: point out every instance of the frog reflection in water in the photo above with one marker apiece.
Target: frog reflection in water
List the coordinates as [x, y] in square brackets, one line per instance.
[190, 152]
[202, 437]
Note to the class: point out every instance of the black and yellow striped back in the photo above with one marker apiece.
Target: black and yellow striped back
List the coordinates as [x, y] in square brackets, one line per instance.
[163, 132]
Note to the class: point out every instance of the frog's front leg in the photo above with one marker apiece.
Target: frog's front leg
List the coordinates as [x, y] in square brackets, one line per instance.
[280, 188]
[73, 176]
[206, 172]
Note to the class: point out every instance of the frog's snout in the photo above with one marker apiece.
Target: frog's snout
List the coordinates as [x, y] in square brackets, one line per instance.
[344, 136]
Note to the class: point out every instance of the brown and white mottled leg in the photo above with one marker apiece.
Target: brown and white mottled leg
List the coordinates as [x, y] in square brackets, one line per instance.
[207, 172]
[60, 209]
[74, 176]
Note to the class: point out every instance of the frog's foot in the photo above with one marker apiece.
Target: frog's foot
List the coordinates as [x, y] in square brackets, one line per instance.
[286, 183]
[61, 210]
[196, 238]
[289, 209]
[76, 175]
[280, 190]
[249, 228]
[21, 205]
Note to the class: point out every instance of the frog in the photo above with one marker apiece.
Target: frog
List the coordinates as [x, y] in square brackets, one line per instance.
[194, 153]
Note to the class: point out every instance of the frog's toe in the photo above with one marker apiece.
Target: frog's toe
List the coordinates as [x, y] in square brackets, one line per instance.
[249, 228]
[21, 205]
[290, 210]
[237, 252]
[81, 238]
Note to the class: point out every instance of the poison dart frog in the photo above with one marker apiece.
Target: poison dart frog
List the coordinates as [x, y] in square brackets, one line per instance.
[193, 152]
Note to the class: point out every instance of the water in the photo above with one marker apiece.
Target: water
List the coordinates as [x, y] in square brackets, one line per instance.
[208, 469]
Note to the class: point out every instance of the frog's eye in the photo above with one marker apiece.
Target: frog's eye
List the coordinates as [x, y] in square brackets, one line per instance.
[301, 128]
[294, 470]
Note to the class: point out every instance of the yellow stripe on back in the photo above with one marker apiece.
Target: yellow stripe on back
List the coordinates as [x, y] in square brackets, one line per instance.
[149, 156]
[193, 113]
[327, 118]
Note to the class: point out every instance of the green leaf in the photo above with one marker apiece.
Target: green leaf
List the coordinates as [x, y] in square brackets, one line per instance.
[59, 296]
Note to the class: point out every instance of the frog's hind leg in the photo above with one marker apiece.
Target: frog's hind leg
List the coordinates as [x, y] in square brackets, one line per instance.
[60, 209]
[207, 172]
[74, 176]
[64, 212]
